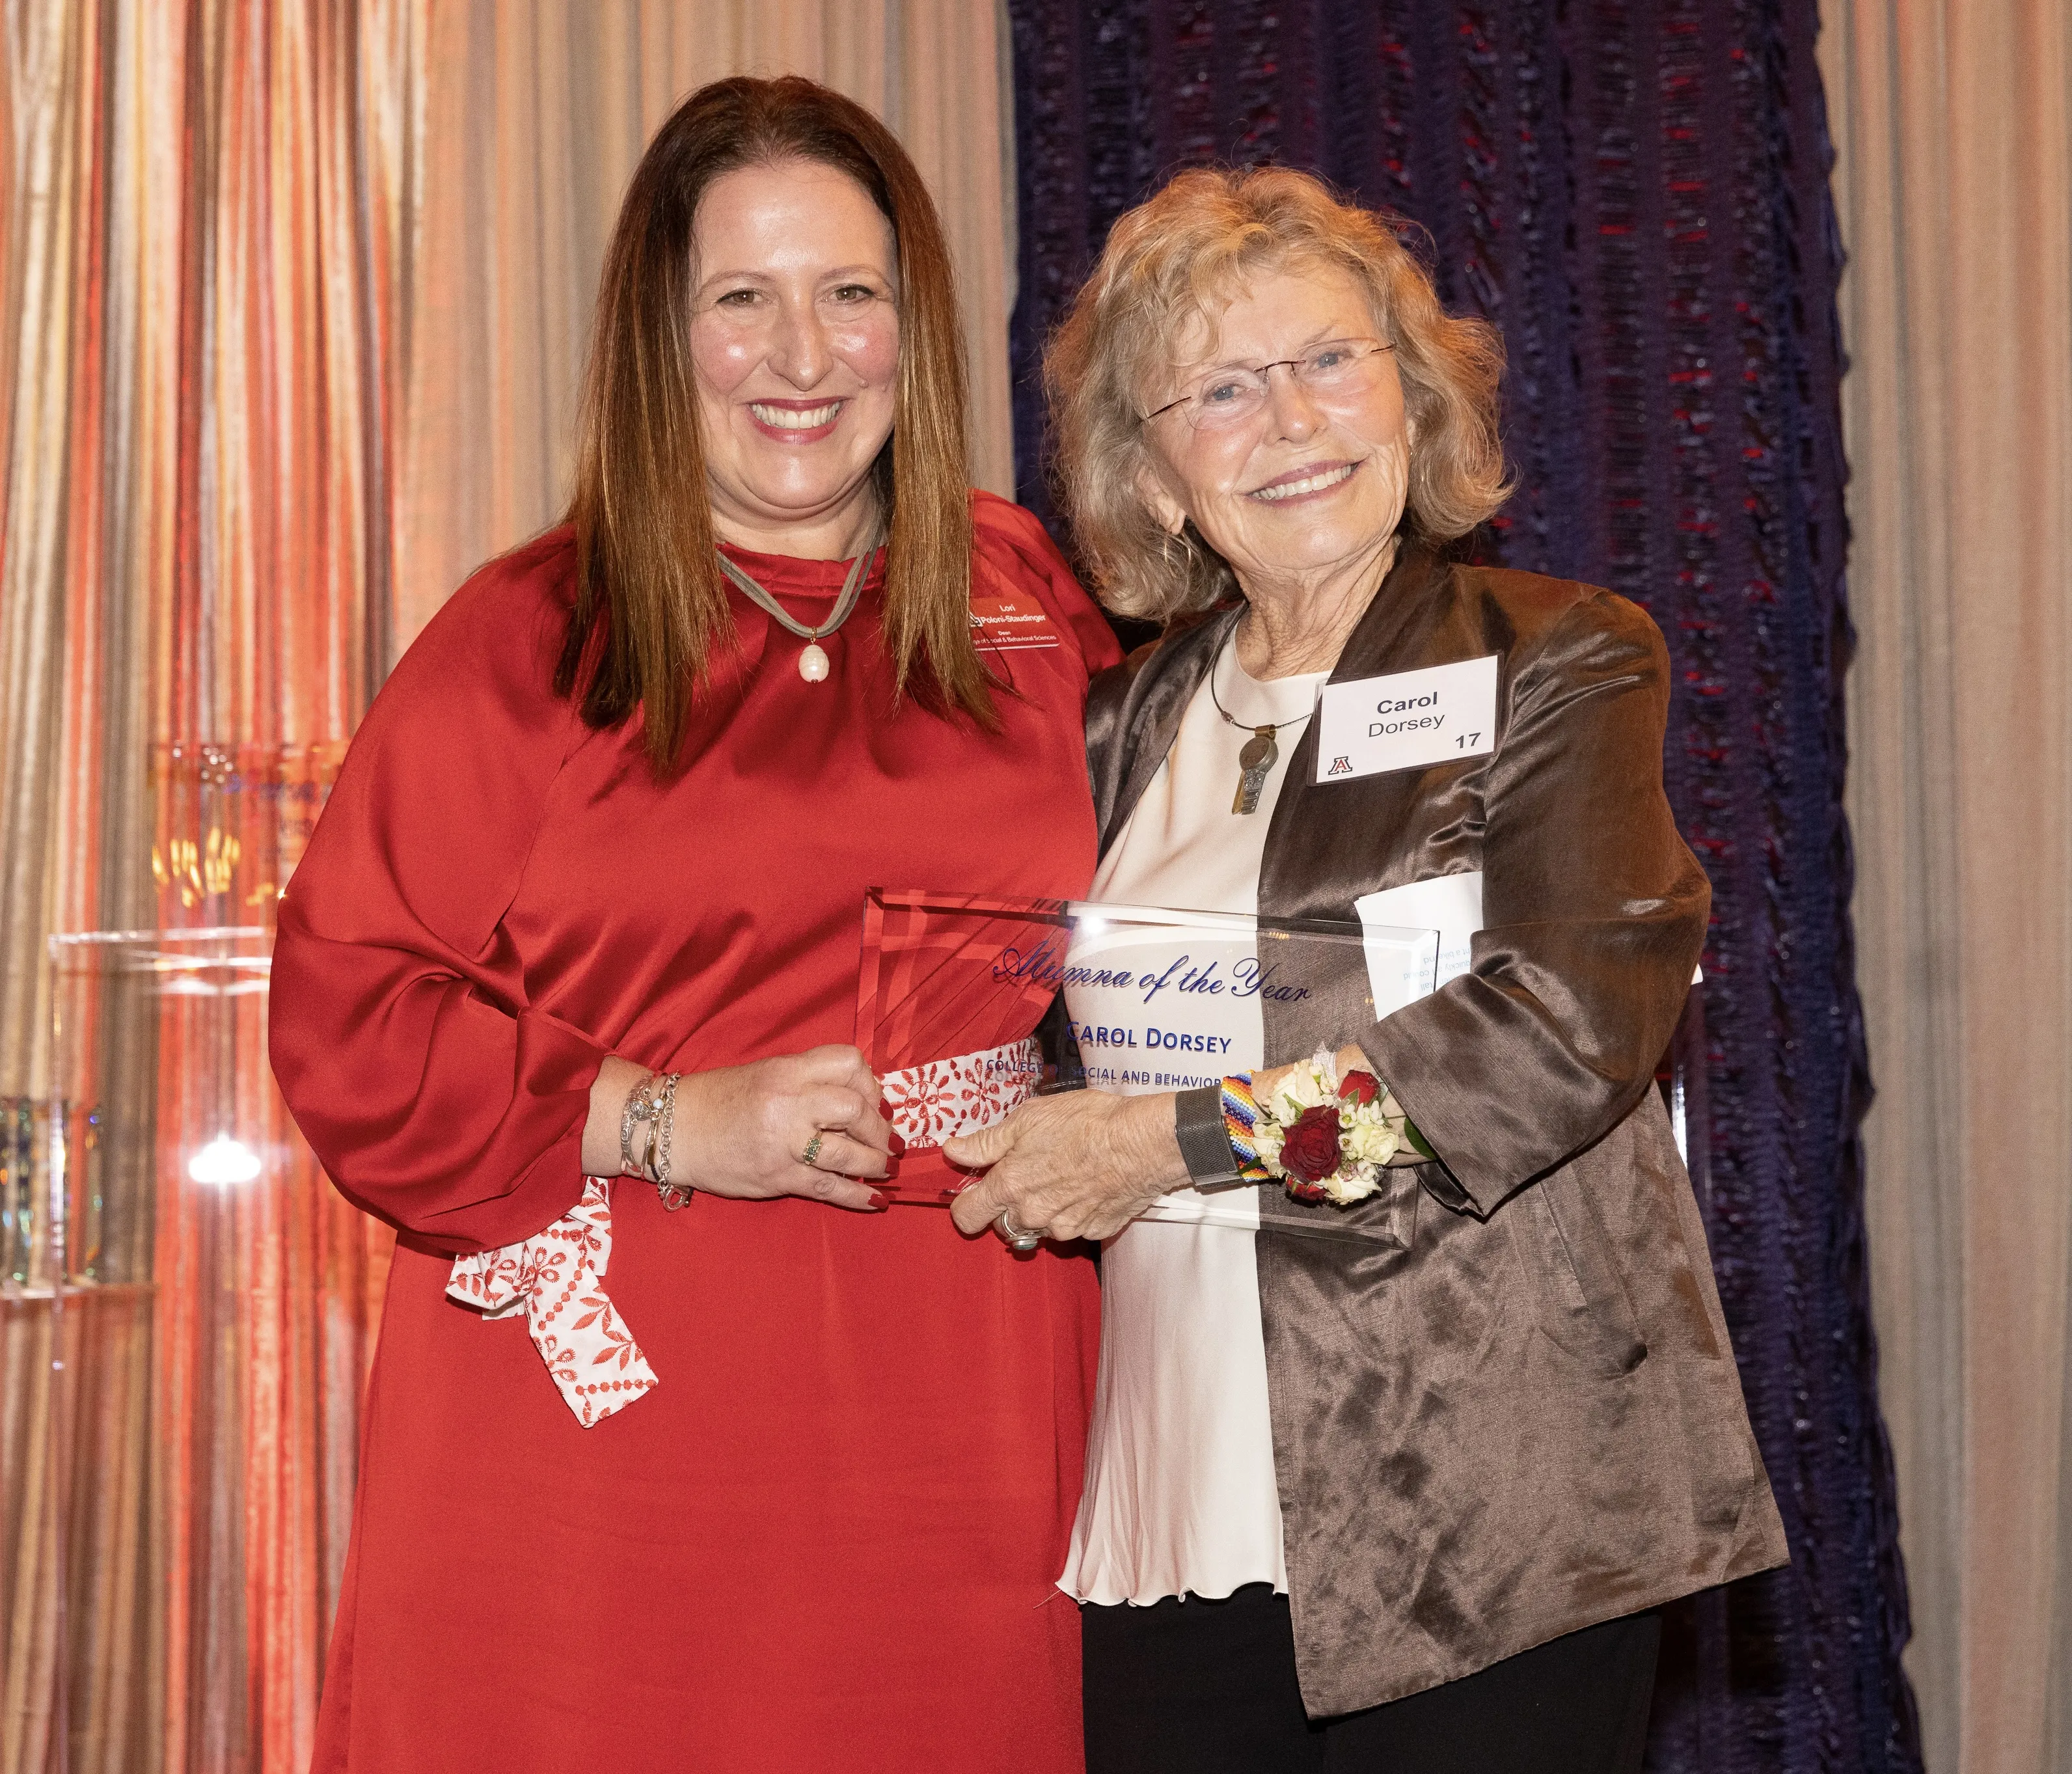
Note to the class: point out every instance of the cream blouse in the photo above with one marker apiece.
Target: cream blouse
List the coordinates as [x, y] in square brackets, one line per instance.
[1180, 1497]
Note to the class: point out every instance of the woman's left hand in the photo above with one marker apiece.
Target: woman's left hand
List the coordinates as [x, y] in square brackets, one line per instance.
[1081, 1166]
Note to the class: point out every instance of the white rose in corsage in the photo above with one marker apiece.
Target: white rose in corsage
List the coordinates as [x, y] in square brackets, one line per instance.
[1266, 1141]
[1310, 1085]
[1370, 1141]
[1326, 1137]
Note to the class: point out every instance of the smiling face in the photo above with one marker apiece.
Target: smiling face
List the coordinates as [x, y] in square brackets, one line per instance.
[1311, 487]
[794, 339]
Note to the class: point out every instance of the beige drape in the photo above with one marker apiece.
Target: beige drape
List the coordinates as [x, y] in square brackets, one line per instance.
[534, 115]
[1953, 185]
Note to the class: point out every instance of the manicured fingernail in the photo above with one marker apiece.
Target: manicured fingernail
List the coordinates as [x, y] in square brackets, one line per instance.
[895, 1144]
[879, 1201]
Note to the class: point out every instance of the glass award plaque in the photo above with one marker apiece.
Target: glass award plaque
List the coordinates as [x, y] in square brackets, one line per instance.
[968, 1004]
[948, 1007]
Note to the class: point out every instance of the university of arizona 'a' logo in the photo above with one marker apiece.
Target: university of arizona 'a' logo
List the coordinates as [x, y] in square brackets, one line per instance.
[1341, 766]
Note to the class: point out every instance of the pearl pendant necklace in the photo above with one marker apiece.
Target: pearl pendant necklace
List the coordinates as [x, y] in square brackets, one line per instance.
[813, 663]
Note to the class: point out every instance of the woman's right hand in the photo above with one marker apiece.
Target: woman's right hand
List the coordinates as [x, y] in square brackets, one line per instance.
[744, 1130]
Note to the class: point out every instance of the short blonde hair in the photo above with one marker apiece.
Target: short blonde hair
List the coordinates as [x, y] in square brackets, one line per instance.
[1170, 262]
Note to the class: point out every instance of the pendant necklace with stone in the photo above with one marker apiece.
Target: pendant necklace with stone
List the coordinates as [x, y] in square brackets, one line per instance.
[813, 659]
[1258, 755]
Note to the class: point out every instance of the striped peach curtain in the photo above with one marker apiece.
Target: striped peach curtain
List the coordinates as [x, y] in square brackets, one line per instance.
[203, 209]
[293, 298]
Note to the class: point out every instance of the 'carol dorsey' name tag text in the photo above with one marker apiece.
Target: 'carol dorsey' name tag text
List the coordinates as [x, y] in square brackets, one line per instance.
[1407, 720]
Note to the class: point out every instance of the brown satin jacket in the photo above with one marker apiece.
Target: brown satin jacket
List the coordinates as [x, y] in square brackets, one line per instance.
[1516, 1414]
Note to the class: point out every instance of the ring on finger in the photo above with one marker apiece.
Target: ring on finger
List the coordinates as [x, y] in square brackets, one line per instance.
[812, 1151]
[1018, 1238]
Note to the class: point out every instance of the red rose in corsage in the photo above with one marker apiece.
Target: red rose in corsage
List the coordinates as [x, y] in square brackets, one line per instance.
[1360, 1089]
[1326, 1138]
[1310, 1148]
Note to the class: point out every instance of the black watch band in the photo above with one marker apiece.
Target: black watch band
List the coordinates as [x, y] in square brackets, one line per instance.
[1198, 1123]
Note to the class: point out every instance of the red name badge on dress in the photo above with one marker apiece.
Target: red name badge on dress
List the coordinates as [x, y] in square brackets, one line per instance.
[1012, 622]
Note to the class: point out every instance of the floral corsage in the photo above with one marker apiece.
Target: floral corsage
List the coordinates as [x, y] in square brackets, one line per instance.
[1326, 1138]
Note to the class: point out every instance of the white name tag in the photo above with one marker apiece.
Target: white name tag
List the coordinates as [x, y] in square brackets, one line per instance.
[1407, 720]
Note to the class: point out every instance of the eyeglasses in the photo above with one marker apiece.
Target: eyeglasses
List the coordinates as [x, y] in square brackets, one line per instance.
[1236, 392]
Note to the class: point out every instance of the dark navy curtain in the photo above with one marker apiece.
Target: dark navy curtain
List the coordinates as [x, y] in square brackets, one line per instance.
[1635, 192]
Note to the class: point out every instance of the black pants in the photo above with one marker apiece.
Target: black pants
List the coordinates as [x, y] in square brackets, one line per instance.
[1209, 1688]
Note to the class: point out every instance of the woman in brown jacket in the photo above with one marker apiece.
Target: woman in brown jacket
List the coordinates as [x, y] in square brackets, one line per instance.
[1406, 1502]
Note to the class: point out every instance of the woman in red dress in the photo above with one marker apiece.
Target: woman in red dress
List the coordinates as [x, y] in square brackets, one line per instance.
[791, 1488]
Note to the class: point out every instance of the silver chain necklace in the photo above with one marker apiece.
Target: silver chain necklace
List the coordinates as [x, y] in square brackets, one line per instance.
[813, 659]
[1257, 757]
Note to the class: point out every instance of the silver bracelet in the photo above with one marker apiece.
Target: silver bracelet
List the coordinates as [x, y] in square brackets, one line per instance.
[674, 1194]
[638, 1108]
[653, 1103]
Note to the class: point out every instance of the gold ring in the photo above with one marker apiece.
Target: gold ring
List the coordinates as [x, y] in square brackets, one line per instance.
[812, 1148]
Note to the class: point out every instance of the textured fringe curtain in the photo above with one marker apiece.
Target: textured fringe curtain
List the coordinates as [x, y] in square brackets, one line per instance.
[292, 305]
[1636, 194]
[1954, 123]
[202, 203]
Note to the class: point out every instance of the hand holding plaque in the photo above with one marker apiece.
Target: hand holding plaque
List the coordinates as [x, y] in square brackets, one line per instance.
[1148, 1000]
[1077, 1165]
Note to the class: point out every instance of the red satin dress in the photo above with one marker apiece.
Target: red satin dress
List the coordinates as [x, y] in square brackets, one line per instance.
[827, 1539]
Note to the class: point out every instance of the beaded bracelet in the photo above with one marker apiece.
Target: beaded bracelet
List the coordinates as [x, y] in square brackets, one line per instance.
[1240, 1123]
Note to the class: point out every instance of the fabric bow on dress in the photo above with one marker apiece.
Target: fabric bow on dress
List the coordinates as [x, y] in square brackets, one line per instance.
[556, 1278]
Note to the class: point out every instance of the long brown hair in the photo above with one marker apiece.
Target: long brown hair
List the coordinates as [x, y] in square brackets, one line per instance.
[650, 604]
